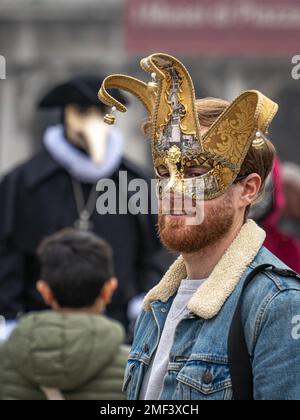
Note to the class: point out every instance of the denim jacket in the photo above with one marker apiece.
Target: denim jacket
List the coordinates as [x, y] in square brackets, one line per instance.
[198, 362]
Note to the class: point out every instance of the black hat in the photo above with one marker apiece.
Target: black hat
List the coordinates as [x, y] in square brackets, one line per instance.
[82, 90]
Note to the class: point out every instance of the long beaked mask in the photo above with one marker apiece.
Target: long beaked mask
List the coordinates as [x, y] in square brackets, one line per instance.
[176, 138]
[87, 130]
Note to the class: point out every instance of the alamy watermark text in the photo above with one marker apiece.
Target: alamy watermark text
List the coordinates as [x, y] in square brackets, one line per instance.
[2, 67]
[296, 67]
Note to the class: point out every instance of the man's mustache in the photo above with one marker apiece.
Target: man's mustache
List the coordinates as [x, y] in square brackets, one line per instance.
[178, 204]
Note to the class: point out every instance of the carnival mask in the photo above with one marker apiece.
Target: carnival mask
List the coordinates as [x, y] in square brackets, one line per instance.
[176, 138]
[85, 128]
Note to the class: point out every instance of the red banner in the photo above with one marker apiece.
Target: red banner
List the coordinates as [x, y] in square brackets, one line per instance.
[227, 27]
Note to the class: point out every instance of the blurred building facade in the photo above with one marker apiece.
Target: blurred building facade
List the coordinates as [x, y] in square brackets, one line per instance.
[44, 42]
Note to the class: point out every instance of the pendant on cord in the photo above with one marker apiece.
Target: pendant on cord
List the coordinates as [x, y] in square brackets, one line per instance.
[84, 223]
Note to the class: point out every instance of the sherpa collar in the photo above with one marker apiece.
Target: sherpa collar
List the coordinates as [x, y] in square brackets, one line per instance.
[211, 296]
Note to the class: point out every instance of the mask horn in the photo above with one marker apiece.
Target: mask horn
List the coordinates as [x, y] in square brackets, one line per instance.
[231, 136]
[172, 76]
[130, 84]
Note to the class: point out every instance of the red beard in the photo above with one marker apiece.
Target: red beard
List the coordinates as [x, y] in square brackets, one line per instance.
[178, 236]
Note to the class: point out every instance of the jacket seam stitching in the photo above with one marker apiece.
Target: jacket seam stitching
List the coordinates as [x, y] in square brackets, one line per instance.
[260, 322]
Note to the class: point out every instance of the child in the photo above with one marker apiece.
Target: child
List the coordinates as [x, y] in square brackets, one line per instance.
[72, 351]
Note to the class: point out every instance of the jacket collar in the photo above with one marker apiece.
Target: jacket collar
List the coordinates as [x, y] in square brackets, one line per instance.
[211, 296]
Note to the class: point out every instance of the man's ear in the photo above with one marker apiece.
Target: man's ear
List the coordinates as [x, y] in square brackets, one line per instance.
[108, 290]
[46, 293]
[250, 189]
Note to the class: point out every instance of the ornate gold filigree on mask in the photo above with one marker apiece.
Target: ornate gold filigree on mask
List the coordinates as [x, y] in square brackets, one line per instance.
[174, 155]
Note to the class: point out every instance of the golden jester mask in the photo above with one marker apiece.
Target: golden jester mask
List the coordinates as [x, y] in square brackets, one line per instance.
[175, 129]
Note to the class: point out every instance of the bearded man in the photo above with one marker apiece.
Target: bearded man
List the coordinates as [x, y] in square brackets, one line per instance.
[212, 159]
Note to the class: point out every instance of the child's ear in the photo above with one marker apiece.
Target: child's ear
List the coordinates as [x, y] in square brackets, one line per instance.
[108, 290]
[46, 293]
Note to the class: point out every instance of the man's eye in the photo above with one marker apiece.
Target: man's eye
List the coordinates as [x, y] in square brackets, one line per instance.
[82, 109]
[195, 172]
[163, 172]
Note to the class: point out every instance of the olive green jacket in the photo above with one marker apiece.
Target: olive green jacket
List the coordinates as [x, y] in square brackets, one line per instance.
[81, 355]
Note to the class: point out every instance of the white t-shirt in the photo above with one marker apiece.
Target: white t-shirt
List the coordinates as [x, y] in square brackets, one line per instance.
[154, 378]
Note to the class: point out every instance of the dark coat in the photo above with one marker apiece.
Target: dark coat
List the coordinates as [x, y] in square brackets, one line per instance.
[37, 200]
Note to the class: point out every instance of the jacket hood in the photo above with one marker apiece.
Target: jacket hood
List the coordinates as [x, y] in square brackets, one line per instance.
[64, 351]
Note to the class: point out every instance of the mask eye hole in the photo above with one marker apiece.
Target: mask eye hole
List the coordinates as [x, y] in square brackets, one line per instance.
[88, 110]
[195, 171]
[82, 109]
[163, 172]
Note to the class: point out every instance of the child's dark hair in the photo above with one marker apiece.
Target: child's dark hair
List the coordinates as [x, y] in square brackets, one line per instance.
[75, 265]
